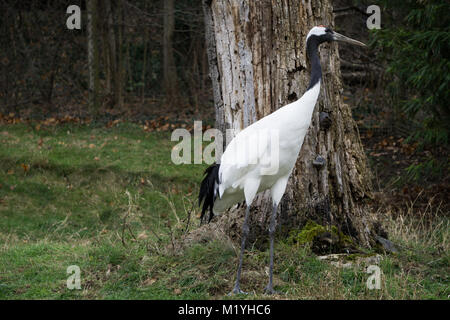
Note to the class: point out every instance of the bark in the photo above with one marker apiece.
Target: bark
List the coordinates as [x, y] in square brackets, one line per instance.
[257, 57]
[144, 65]
[93, 61]
[113, 72]
[169, 68]
[120, 69]
[213, 64]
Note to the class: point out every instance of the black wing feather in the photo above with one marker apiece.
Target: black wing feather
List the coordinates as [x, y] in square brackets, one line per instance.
[206, 194]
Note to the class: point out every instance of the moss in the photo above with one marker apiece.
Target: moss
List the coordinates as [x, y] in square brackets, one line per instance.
[307, 234]
[323, 239]
[356, 256]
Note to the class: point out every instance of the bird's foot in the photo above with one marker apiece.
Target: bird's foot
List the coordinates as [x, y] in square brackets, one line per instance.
[269, 290]
[236, 290]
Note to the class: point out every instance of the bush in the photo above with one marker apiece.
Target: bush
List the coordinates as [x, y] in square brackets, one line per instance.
[414, 43]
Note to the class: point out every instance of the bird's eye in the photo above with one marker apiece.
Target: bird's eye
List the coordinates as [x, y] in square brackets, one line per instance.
[328, 30]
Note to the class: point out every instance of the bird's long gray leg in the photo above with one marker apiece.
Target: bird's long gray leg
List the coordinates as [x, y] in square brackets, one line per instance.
[245, 231]
[269, 288]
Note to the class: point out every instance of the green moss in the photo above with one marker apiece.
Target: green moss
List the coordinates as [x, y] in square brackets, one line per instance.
[356, 256]
[307, 234]
[321, 238]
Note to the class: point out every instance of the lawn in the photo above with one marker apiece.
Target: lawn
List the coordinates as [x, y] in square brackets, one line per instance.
[110, 201]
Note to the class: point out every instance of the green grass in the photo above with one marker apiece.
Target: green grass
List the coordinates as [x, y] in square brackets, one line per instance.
[111, 202]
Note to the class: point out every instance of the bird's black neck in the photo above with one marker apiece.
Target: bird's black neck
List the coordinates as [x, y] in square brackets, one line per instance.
[312, 46]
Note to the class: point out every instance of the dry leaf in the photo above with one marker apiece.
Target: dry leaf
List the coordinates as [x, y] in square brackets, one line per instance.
[109, 270]
[142, 236]
[149, 282]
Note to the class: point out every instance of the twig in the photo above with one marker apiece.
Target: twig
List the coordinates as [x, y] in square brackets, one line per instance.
[189, 215]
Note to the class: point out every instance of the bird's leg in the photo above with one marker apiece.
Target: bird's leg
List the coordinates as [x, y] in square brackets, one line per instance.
[269, 288]
[245, 231]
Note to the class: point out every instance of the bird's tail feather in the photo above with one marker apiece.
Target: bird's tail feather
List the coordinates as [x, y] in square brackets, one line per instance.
[208, 191]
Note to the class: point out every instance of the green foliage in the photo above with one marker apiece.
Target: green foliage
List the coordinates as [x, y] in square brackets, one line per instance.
[414, 41]
[430, 167]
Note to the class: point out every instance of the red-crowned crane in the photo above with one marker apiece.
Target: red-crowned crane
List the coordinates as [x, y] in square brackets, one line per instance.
[241, 173]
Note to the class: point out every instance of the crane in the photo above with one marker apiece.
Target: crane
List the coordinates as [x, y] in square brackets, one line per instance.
[242, 170]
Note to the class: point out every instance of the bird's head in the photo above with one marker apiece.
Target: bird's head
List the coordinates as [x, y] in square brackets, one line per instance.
[323, 34]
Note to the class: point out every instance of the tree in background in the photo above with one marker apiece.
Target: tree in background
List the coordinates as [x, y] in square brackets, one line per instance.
[93, 55]
[123, 57]
[414, 42]
[169, 69]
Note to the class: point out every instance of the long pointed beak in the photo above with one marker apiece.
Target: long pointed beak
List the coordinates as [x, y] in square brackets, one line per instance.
[342, 38]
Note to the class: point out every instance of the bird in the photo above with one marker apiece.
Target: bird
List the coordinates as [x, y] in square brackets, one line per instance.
[242, 171]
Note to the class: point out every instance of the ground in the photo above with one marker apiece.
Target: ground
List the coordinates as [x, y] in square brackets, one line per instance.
[108, 199]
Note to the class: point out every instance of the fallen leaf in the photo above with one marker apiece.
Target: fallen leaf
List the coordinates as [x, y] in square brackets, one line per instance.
[149, 282]
[142, 236]
[109, 270]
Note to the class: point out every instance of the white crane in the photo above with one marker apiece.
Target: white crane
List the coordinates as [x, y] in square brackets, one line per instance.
[242, 171]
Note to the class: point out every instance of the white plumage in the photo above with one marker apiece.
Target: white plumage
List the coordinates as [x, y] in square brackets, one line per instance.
[241, 172]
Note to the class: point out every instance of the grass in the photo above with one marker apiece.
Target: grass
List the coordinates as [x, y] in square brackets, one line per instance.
[110, 201]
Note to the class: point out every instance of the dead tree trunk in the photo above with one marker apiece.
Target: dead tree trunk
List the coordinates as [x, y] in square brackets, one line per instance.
[257, 57]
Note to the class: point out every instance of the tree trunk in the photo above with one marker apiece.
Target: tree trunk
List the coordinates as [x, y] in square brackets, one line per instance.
[114, 70]
[144, 65]
[257, 57]
[169, 69]
[93, 62]
[120, 68]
